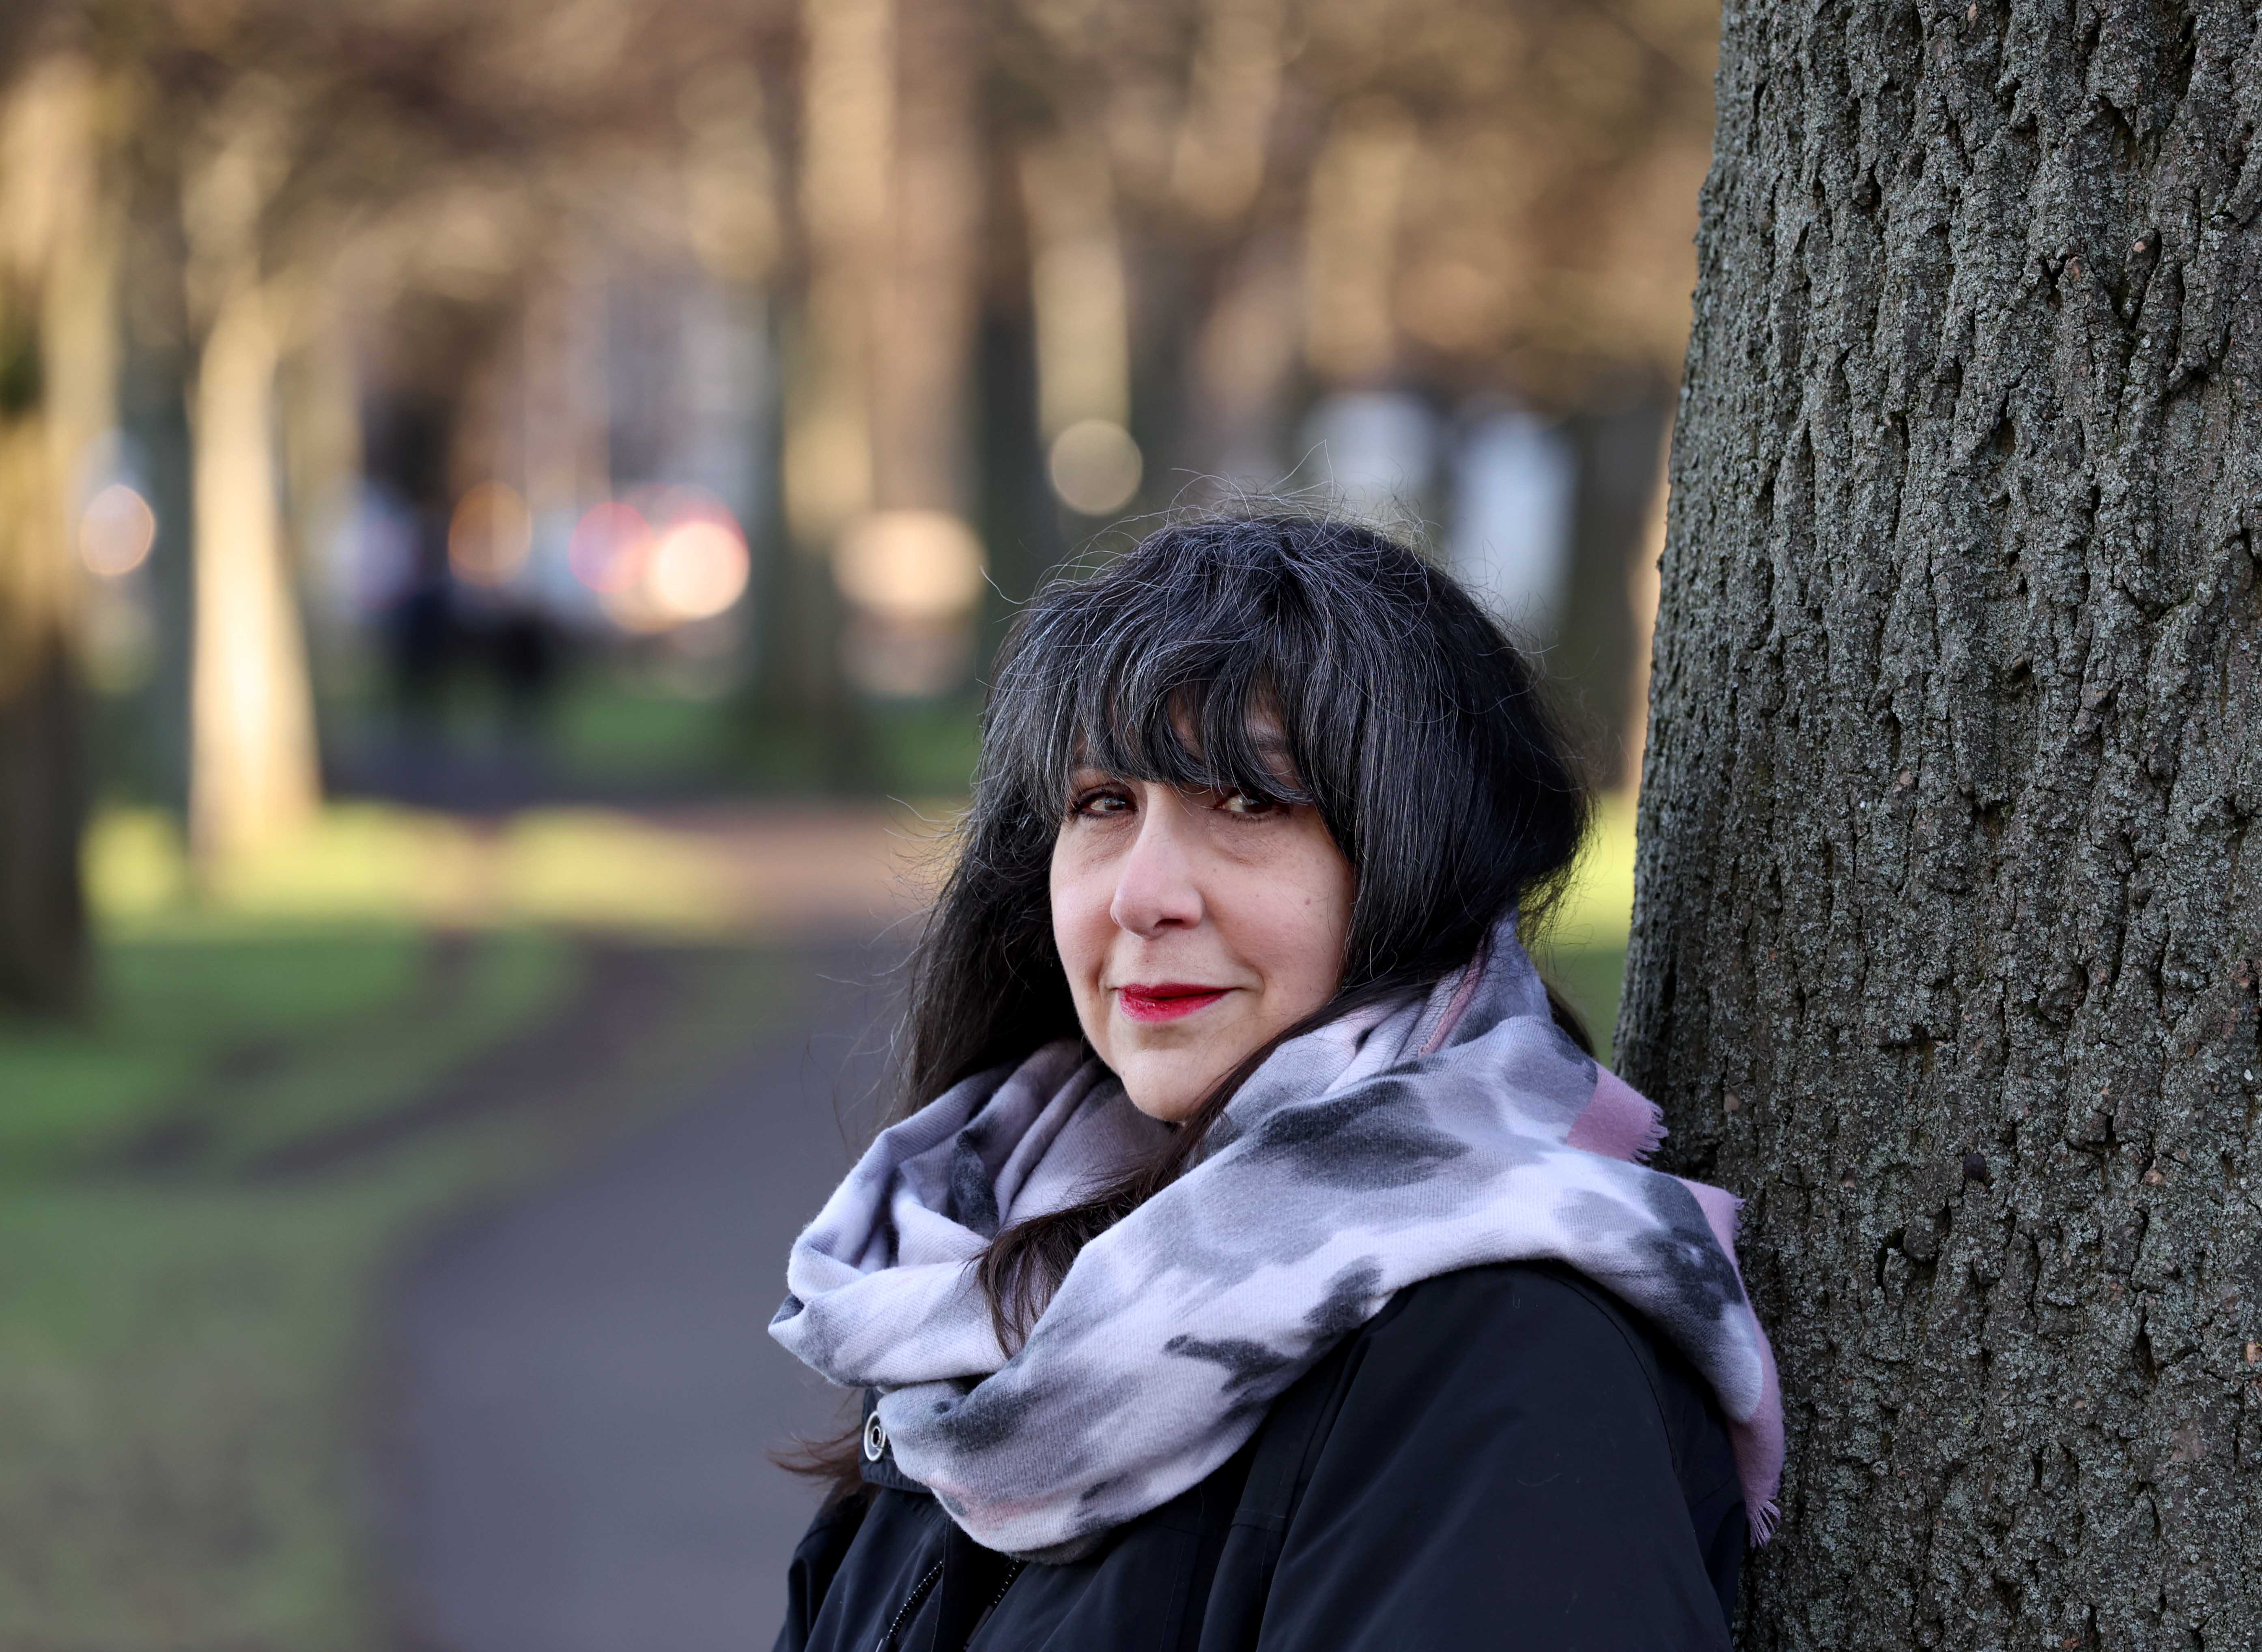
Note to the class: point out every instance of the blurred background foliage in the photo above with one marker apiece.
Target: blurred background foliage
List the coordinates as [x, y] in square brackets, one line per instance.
[496, 496]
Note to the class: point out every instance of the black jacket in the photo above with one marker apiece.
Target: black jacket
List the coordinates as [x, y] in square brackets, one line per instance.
[1503, 1457]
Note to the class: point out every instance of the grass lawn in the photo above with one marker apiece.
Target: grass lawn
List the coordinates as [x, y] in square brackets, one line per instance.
[186, 1342]
[180, 1369]
[225, 1042]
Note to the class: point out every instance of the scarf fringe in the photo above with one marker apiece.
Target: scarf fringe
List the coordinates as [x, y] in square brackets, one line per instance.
[1619, 1123]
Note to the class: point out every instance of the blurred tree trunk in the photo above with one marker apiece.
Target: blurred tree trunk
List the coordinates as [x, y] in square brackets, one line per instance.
[57, 389]
[731, 180]
[848, 124]
[1610, 597]
[923, 369]
[847, 130]
[42, 793]
[1079, 308]
[1236, 370]
[1020, 517]
[879, 463]
[1950, 904]
[1351, 244]
[1232, 96]
[253, 777]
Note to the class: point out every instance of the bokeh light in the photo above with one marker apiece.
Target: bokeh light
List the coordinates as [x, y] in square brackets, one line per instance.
[911, 564]
[697, 569]
[610, 545]
[117, 532]
[490, 535]
[1095, 466]
[663, 556]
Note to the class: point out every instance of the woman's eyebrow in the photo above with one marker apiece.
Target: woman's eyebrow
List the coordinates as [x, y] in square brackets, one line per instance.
[1269, 748]
[1270, 743]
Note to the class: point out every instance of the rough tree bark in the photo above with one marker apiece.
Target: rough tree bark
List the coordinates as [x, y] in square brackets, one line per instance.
[1948, 923]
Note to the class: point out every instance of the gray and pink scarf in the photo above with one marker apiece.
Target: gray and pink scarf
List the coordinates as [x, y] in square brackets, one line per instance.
[1390, 1146]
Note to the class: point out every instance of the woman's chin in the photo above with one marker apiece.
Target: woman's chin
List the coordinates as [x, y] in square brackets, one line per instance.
[1165, 1090]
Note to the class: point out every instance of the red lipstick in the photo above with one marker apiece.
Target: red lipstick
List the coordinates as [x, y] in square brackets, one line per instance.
[1166, 999]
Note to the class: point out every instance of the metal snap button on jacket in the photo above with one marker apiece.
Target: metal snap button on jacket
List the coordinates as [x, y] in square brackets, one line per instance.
[875, 1437]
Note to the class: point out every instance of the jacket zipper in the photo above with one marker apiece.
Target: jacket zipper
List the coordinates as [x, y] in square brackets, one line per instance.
[917, 1594]
[996, 1600]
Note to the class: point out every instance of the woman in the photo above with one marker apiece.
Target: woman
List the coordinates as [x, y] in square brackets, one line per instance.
[1260, 1264]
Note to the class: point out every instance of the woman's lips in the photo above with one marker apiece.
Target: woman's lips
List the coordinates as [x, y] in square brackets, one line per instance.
[1165, 1001]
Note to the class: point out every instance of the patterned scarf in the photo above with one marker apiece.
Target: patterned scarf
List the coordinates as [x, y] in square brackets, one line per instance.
[1388, 1147]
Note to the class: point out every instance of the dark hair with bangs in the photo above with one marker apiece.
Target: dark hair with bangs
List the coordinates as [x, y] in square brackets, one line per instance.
[1410, 722]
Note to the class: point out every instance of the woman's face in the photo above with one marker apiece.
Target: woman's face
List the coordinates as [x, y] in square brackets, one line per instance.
[1193, 926]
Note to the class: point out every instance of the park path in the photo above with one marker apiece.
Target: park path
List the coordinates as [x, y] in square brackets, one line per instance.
[582, 1396]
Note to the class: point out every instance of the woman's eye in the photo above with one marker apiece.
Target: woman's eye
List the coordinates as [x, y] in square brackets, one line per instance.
[1100, 803]
[1248, 803]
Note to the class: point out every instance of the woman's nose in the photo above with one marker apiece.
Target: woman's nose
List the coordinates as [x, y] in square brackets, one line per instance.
[1155, 885]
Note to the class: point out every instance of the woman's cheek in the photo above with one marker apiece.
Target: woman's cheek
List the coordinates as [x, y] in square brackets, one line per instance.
[1308, 952]
[1080, 925]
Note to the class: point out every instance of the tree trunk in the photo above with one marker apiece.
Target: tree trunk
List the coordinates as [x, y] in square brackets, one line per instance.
[254, 774]
[847, 151]
[43, 940]
[878, 466]
[253, 777]
[847, 141]
[1945, 944]
[923, 364]
[1078, 303]
[1351, 246]
[1238, 364]
[57, 395]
